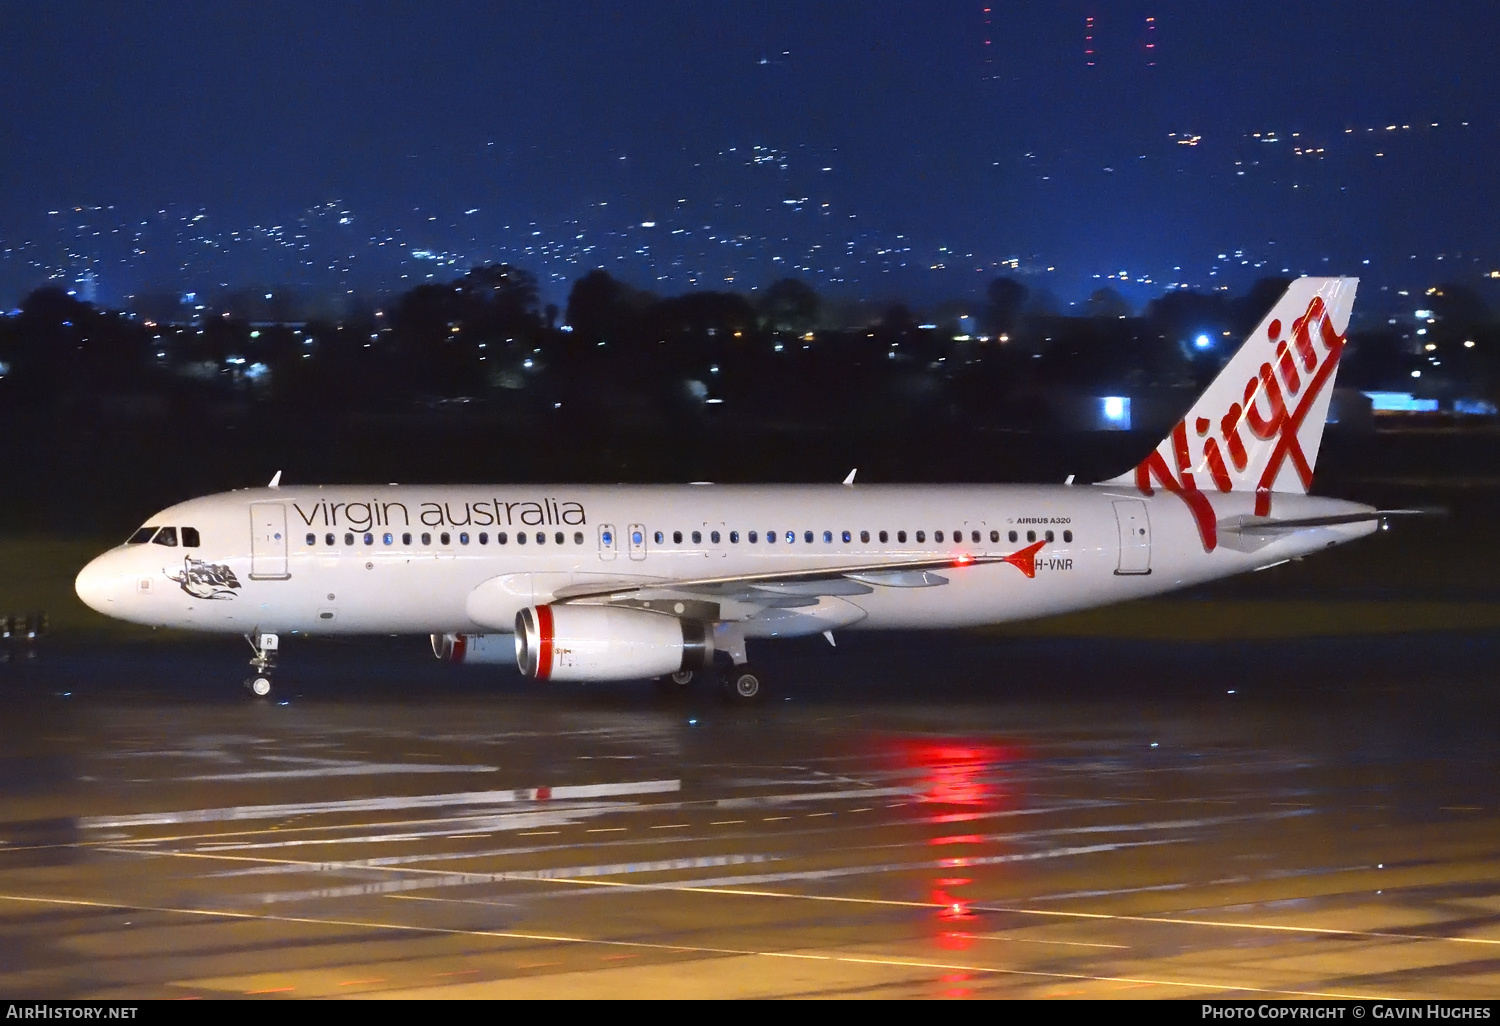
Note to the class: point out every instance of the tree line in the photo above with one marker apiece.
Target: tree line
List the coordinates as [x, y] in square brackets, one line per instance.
[617, 352]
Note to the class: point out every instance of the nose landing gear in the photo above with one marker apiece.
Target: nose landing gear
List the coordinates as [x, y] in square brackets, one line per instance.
[265, 647]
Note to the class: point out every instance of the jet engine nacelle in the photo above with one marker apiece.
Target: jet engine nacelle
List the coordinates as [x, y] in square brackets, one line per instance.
[473, 649]
[563, 642]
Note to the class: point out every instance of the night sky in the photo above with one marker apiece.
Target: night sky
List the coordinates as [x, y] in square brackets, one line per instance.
[875, 149]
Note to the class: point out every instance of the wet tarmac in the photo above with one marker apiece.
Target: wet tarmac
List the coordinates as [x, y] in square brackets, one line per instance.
[910, 816]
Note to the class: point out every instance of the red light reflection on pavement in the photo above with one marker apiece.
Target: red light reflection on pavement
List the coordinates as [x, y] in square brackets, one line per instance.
[952, 991]
[968, 778]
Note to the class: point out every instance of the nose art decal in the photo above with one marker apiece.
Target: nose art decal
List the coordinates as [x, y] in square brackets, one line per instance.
[205, 580]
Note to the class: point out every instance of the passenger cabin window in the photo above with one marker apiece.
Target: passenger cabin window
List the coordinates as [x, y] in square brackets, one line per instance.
[713, 536]
[697, 537]
[387, 538]
[463, 537]
[191, 540]
[734, 537]
[828, 538]
[328, 539]
[1049, 536]
[312, 539]
[444, 538]
[559, 537]
[1013, 536]
[426, 538]
[901, 537]
[406, 538]
[484, 537]
[657, 537]
[846, 537]
[501, 538]
[141, 537]
[922, 536]
[1031, 536]
[752, 537]
[577, 538]
[994, 536]
[348, 537]
[676, 537]
[166, 536]
[1067, 536]
[884, 537]
[864, 536]
[807, 536]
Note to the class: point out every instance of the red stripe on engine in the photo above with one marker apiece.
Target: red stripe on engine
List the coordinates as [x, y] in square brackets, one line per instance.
[544, 642]
[460, 649]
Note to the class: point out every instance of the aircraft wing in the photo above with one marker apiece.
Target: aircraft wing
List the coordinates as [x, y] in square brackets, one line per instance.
[845, 579]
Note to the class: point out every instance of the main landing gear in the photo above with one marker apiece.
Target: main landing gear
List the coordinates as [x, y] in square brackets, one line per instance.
[265, 647]
[744, 684]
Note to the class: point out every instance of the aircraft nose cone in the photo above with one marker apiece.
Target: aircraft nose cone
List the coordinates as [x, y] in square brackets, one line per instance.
[95, 586]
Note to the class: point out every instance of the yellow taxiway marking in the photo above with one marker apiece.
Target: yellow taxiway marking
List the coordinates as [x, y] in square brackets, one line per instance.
[901, 963]
[726, 822]
[1319, 931]
[539, 833]
[1033, 940]
[606, 830]
[773, 819]
[672, 826]
[1313, 931]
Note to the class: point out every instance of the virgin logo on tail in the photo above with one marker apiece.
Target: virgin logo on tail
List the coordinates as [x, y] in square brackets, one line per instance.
[1247, 444]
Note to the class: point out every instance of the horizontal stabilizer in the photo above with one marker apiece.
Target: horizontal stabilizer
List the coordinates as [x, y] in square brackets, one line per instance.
[1248, 533]
[1262, 525]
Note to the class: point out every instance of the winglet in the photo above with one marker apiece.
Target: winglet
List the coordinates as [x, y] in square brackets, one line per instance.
[275, 480]
[1024, 560]
[850, 479]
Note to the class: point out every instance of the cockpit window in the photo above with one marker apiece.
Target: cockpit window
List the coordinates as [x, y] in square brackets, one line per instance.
[166, 536]
[190, 538]
[142, 536]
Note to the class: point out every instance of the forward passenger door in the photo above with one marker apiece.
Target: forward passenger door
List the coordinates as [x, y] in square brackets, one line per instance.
[268, 543]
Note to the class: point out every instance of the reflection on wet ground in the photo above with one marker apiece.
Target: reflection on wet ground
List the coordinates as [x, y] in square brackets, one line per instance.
[941, 815]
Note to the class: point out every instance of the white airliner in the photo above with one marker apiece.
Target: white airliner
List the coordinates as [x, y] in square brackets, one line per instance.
[589, 583]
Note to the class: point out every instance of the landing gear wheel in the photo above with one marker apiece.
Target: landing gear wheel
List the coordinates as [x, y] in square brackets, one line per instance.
[265, 646]
[743, 684]
[675, 685]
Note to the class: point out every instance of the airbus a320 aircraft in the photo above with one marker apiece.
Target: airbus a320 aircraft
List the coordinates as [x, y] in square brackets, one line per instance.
[587, 583]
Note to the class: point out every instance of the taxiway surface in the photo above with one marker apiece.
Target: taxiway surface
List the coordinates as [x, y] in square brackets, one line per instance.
[947, 815]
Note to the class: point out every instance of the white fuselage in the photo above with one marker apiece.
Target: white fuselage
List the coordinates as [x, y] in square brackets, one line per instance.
[429, 560]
